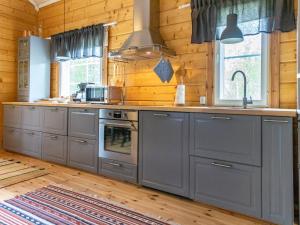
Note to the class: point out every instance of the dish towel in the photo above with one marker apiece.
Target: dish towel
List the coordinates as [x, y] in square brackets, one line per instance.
[164, 70]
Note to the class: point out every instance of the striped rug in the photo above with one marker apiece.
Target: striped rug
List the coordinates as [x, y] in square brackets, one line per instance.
[13, 172]
[54, 205]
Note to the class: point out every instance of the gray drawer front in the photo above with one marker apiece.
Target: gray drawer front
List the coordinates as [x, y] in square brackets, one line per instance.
[83, 154]
[226, 137]
[84, 123]
[54, 148]
[55, 120]
[31, 118]
[11, 139]
[12, 116]
[236, 188]
[31, 143]
[118, 170]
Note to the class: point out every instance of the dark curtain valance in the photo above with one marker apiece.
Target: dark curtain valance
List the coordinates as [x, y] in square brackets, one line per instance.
[81, 43]
[254, 16]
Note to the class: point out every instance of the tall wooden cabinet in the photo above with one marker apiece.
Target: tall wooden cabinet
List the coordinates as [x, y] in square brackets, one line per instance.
[33, 69]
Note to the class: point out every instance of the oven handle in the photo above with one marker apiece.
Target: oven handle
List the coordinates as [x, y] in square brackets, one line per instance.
[132, 127]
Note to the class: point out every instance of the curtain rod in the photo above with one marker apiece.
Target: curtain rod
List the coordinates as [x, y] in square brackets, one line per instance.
[187, 5]
[111, 24]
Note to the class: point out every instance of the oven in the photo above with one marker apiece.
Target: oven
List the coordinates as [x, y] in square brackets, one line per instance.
[118, 135]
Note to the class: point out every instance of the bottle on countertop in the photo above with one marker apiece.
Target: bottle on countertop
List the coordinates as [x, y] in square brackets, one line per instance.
[180, 93]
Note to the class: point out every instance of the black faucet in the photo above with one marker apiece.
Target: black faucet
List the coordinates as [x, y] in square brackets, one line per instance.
[245, 100]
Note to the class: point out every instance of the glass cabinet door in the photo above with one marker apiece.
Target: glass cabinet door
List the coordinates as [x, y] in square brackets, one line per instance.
[24, 49]
[20, 75]
[23, 74]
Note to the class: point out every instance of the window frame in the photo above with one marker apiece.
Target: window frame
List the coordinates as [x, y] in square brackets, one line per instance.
[66, 69]
[265, 56]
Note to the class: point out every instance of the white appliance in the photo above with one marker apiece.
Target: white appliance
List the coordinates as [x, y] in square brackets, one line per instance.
[33, 69]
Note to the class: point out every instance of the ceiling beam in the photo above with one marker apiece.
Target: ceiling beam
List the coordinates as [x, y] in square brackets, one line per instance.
[42, 4]
[34, 4]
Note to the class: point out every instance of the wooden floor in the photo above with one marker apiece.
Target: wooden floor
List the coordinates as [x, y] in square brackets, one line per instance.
[158, 204]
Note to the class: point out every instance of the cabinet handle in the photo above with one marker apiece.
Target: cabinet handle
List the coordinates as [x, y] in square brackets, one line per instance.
[32, 108]
[161, 115]
[221, 165]
[30, 133]
[54, 110]
[115, 164]
[11, 131]
[53, 137]
[276, 121]
[81, 141]
[221, 118]
[85, 113]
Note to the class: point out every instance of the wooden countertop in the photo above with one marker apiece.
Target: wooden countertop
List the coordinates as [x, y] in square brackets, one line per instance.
[201, 109]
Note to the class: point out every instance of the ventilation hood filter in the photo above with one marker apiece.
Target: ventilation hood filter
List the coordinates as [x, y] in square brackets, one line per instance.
[145, 42]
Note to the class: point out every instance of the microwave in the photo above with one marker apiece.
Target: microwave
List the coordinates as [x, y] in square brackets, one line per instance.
[103, 94]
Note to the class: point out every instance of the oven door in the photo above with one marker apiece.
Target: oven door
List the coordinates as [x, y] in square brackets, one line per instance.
[118, 140]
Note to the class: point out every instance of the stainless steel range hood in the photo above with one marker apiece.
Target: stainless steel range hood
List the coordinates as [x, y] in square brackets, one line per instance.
[145, 42]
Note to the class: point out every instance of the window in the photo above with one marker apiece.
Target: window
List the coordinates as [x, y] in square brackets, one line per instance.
[78, 71]
[251, 57]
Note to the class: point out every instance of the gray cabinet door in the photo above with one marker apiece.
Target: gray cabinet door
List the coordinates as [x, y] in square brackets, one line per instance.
[11, 139]
[227, 185]
[31, 118]
[119, 170]
[31, 143]
[54, 148]
[12, 116]
[277, 185]
[55, 120]
[226, 137]
[164, 159]
[83, 123]
[83, 154]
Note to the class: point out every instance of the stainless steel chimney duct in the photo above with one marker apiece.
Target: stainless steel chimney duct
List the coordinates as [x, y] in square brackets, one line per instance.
[145, 42]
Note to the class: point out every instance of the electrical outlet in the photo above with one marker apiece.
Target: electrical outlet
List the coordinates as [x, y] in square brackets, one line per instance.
[202, 100]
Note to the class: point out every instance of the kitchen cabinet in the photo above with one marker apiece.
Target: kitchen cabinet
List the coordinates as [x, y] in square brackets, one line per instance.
[31, 118]
[83, 154]
[119, 170]
[31, 143]
[12, 116]
[12, 139]
[231, 138]
[163, 153]
[227, 185]
[84, 123]
[236, 162]
[277, 170]
[54, 148]
[55, 120]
